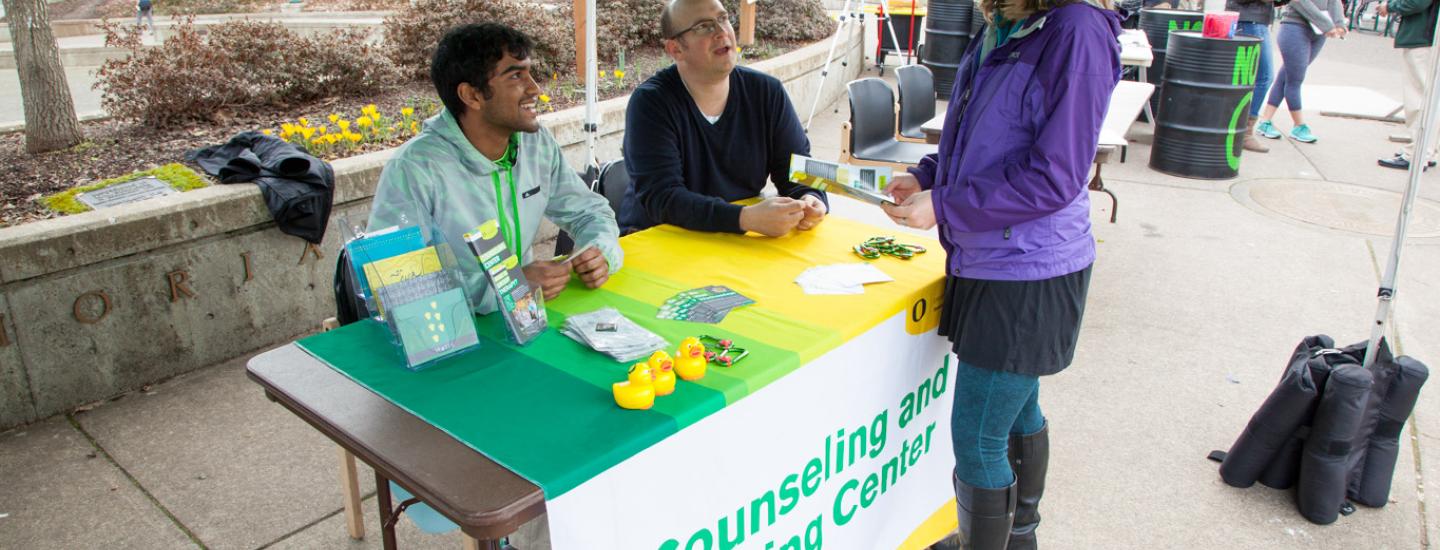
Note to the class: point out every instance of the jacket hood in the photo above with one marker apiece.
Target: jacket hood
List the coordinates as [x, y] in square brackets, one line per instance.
[444, 128]
[1037, 21]
[1111, 15]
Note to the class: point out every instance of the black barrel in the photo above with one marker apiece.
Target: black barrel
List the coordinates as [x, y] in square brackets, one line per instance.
[1157, 24]
[1208, 87]
[947, 34]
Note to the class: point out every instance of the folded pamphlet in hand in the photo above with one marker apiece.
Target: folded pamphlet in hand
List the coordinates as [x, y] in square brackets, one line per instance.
[863, 183]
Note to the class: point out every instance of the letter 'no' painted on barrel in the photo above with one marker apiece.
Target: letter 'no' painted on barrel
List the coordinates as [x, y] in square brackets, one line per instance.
[1247, 65]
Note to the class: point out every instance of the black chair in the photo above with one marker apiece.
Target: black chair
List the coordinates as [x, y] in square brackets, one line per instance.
[349, 305]
[916, 85]
[564, 243]
[614, 180]
[869, 136]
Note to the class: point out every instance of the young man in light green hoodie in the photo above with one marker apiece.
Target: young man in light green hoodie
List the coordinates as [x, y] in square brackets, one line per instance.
[485, 157]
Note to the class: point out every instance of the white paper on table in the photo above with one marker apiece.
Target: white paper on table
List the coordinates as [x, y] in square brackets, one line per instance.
[840, 278]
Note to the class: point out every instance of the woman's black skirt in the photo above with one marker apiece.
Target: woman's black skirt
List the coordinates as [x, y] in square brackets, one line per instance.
[1024, 327]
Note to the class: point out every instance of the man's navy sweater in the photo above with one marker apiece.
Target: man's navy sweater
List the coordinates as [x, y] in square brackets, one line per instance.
[686, 171]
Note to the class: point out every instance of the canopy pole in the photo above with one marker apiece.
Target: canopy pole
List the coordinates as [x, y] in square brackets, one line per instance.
[592, 116]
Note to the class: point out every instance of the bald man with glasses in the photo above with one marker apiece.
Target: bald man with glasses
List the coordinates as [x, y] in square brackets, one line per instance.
[703, 133]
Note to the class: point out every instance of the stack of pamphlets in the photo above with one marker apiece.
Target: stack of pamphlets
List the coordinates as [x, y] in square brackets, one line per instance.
[607, 331]
[707, 304]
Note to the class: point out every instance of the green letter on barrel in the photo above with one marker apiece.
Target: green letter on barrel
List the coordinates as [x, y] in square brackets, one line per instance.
[1231, 158]
[1247, 65]
[1183, 25]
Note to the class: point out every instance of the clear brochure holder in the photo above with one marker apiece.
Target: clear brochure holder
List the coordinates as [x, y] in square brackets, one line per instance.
[410, 280]
[522, 306]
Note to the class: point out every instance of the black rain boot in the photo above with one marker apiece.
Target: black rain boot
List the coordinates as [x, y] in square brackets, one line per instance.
[985, 515]
[1029, 457]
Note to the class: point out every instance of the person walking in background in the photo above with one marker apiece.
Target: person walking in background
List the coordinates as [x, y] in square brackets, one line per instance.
[1255, 19]
[1302, 33]
[1415, 37]
[143, 9]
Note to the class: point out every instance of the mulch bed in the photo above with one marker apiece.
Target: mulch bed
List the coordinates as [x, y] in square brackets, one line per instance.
[114, 148]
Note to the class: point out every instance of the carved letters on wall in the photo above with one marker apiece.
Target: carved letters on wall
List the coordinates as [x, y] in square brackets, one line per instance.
[179, 284]
[86, 317]
[95, 305]
[245, 259]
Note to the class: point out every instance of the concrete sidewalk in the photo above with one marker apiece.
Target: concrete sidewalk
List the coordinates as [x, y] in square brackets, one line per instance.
[80, 80]
[1200, 292]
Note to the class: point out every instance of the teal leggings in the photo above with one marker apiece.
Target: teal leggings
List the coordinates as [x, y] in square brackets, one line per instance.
[989, 407]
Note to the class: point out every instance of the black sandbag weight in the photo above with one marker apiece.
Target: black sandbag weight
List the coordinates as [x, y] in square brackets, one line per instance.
[1371, 486]
[1275, 423]
[1320, 491]
[1285, 469]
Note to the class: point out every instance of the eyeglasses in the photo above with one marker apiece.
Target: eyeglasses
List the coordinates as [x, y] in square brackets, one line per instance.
[708, 27]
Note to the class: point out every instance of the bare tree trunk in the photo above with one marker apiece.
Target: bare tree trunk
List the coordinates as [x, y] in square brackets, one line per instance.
[50, 121]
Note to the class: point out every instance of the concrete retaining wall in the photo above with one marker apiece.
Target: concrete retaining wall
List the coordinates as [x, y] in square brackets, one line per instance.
[100, 303]
[62, 29]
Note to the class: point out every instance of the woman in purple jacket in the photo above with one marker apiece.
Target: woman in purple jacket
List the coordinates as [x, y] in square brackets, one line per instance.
[1008, 191]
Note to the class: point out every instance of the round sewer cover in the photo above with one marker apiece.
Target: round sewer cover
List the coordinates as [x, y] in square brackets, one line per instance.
[1344, 207]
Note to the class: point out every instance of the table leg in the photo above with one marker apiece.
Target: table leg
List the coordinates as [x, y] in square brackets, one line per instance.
[382, 501]
[1098, 184]
[1149, 114]
[350, 486]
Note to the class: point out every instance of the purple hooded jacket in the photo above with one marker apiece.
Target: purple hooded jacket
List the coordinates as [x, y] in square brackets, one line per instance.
[1009, 180]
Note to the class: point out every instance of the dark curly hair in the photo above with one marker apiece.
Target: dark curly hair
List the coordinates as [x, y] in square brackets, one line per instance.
[468, 54]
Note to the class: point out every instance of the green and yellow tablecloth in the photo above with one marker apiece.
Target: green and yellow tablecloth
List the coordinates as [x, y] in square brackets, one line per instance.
[545, 411]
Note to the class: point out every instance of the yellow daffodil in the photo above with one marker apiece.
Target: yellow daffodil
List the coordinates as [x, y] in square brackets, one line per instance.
[408, 111]
[363, 122]
[304, 122]
[308, 132]
[544, 98]
[344, 125]
[370, 108]
[332, 138]
[354, 138]
[287, 127]
[334, 117]
[415, 127]
[619, 73]
[268, 132]
[324, 129]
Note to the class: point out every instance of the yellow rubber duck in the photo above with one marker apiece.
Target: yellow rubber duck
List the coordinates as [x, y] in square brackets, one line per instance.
[690, 360]
[662, 368]
[638, 392]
